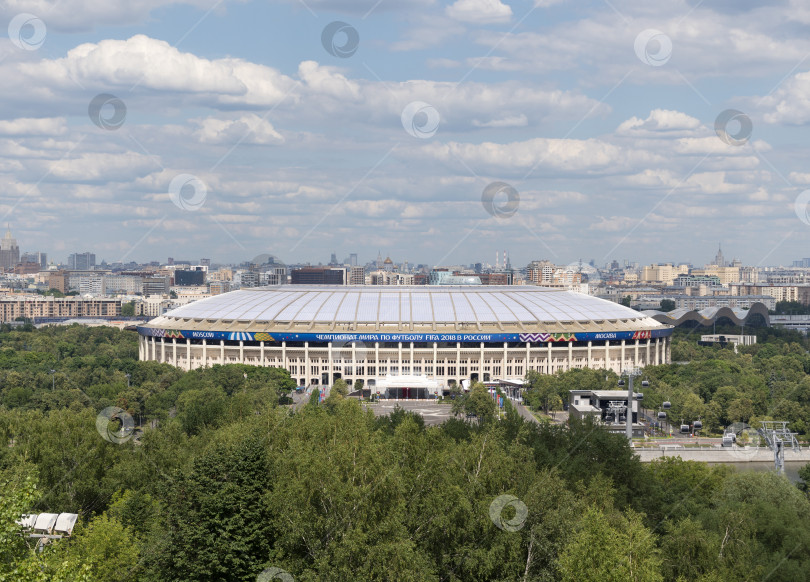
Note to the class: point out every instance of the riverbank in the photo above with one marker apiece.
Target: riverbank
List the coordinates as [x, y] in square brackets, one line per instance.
[720, 454]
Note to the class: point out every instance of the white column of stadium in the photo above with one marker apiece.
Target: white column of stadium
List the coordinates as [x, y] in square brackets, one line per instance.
[495, 358]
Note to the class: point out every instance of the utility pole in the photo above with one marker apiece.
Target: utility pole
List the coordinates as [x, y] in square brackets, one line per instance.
[629, 413]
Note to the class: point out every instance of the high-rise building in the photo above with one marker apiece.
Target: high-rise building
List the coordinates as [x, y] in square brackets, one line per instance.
[82, 261]
[318, 276]
[9, 251]
[34, 257]
[357, 276]
[189, 277]
[156, 286]
[719, 259]
[249, 279]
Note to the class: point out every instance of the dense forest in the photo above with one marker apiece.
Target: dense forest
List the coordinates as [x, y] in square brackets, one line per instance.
[221, 480]
[765, 381]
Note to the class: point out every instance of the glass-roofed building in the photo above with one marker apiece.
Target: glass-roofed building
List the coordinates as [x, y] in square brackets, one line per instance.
[444, 333]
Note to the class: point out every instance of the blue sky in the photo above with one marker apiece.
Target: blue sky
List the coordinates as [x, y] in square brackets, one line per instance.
[601, 115]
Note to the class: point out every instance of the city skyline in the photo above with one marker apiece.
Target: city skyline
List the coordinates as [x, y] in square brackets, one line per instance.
[432, 130]
[502, 258]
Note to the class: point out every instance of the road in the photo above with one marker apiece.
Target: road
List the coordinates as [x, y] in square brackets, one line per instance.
[432, 412]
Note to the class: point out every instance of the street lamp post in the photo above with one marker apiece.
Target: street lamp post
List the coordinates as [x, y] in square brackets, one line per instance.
[630, 398]
[128, 377]
[629, 413]
[53, 380]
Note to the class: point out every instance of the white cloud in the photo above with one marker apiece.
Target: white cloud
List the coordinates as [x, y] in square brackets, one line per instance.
[247, 129]
[80, 15]
[509, 121]
[480, 11]
[26, 126]
[147, 63]
[790, 103]
[799, 178]
[91, 167]
[659, 122]
[559, 156]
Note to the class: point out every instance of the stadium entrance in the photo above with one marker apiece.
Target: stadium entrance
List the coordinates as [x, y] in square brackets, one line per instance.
[407, 393]
[407, 387]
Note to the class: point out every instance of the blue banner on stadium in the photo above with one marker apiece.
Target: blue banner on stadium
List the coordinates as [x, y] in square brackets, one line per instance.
[343, 338]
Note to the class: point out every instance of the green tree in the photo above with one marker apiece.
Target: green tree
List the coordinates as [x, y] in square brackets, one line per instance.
[667, 305]
[339, 388]
[128, 309]
[620, 549]
[626, 300]
[804, 475]
[478, 402]
[541, 390]
[217, 524]
[201, 409]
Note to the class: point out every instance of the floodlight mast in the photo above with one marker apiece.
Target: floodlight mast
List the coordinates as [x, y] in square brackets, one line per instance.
[777, 435]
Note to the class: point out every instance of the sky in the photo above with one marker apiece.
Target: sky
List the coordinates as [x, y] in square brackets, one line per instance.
[437, 132]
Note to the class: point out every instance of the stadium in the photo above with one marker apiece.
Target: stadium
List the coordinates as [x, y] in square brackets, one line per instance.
[423, 337]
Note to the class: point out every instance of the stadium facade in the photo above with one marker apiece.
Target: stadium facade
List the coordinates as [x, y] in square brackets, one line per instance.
[445, 333]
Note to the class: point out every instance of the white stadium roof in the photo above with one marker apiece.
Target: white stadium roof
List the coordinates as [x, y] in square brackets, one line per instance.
[332, 307]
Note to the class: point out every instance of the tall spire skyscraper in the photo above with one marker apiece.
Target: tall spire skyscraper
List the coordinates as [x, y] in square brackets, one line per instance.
[720, 260]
